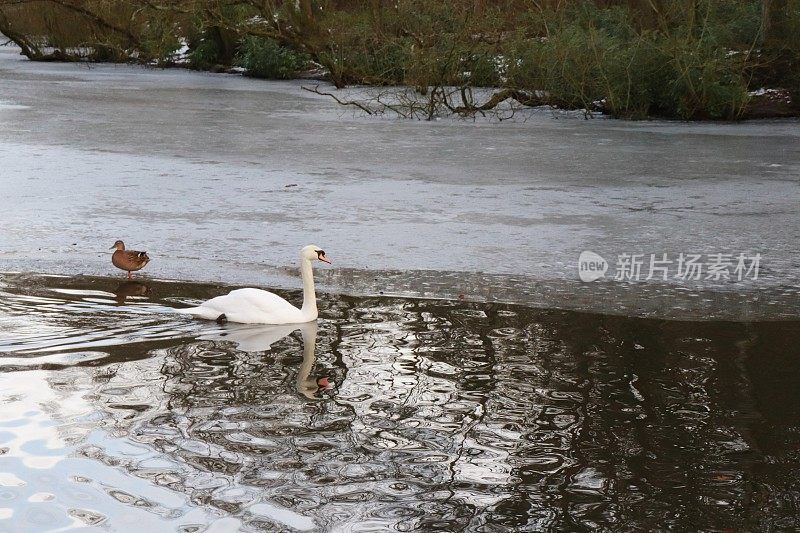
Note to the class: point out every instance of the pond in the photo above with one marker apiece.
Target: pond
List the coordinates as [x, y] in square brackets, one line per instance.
[220, 177]
[389, 414]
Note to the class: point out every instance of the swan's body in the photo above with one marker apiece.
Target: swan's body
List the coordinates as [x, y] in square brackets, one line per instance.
[256, 306]
[252, 306]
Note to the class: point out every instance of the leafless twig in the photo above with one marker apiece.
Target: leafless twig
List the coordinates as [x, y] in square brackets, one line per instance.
[339, 101]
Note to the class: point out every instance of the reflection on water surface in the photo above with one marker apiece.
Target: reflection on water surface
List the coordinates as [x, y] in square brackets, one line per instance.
[389, 414]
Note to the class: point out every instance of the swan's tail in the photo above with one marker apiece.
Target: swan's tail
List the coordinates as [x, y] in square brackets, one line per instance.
[200, 312]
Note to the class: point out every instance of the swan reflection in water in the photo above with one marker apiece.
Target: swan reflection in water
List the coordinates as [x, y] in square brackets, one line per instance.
[260, 338]
[128, 289]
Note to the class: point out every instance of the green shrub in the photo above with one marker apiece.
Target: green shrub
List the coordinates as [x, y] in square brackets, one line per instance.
[266, 58]
[205, 54]
[562, 66]
[705, 80]
[159, 40]
[597, 58]
[107, 54]
[359, 49]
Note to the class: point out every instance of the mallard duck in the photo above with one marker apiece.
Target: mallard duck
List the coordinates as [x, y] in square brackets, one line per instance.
[129, 260]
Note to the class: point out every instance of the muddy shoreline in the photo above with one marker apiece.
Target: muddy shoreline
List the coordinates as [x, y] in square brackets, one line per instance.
[642, 300]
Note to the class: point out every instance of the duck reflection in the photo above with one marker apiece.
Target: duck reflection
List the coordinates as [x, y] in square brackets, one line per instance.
[131, 288]
[260, 338]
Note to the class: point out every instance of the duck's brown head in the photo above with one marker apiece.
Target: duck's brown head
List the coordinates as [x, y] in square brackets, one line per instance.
[119, 245]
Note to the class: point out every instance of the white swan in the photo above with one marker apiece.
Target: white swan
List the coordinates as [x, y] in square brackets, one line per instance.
[254, 306]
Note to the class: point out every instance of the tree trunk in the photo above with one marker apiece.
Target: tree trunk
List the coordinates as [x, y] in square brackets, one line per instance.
[377, 13]
[766, 18]
[29, 50]
[306, 10]
[774, 19]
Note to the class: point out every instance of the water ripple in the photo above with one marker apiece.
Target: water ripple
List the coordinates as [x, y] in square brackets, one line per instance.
[390, 414]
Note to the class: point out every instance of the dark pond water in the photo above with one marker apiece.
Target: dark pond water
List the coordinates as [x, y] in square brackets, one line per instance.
[390, 414]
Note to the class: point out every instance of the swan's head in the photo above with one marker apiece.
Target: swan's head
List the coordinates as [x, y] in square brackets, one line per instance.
[314, 253]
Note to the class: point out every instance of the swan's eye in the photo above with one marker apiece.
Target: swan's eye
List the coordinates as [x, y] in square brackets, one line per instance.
[320, 253]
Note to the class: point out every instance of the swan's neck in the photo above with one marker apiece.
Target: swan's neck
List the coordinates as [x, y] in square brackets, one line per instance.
[309, 308]
[305, 384]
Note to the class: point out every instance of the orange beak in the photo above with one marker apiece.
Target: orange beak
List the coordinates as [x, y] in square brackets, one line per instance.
[324, 259]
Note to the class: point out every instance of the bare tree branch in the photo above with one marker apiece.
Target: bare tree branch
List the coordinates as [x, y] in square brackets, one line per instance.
[359, 105]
